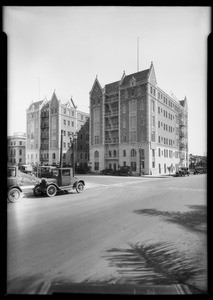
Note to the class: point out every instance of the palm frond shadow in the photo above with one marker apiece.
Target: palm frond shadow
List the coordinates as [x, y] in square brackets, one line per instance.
[193, 220]
[157, 263]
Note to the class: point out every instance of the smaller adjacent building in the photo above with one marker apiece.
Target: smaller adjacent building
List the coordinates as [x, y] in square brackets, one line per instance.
[16, 148]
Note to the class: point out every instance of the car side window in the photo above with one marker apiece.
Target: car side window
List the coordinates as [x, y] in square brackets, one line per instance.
[55, 173]
[66, 172]
[11, 172]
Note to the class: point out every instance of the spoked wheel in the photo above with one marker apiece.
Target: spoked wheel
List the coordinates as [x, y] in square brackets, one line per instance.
[13, 195]
[51, 190]
[36, 191]
[79, 187]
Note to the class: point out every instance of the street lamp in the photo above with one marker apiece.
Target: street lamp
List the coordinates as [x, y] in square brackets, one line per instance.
[73, 139]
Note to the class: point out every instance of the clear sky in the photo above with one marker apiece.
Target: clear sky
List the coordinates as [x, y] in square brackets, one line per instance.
[64, 48]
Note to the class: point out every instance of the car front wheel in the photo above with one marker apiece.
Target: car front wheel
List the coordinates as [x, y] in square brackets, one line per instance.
[36, 191]
[13, 195]
[51, 190]
[79, 187]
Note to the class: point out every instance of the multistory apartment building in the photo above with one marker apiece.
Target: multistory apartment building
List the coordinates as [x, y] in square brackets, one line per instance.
[16, 148]
[135, 123]
[45, 122]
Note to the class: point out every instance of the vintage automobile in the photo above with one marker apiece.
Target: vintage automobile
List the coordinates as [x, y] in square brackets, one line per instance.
[183, 171]
[61, 179]
[124, 171]
[199, 170]
[16, 180]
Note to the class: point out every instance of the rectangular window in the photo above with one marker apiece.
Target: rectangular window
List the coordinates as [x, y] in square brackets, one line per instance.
[159, 151]
[153, 136]
[65, 111]
[68, 123]
[72, 124]
[96, 139]
[142, 104]
[133, 136]
[96, 165]
[133, 166]
[153, 121]
[158, 109]
[159, 139]
[158, 124]
[124, 153]
[64, 122]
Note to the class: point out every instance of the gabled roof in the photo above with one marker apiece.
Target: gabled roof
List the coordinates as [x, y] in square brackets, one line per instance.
[184, 103]
[36, 104]
[139, 76]
[112, 87]
[96, 82]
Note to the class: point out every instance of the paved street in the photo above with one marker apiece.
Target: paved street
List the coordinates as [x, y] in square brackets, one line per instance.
[119, 230]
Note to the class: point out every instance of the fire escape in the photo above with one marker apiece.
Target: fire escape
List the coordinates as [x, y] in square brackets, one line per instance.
[111, 128]
[183, 139]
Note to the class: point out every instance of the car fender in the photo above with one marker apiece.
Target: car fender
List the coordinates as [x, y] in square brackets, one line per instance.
[77, 181]
[15, 187]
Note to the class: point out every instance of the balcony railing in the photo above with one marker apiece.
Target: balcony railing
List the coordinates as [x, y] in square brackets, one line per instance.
[111, 127]
[111, 113]
[111, 157]
[111, 99]
[112, 141]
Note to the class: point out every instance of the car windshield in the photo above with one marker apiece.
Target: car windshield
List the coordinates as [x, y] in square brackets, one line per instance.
[11, 172]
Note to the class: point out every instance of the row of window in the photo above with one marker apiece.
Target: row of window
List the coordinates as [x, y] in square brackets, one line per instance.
[161, 97]
[166, 126]
[165, 141]
[68, 123]
[14, 143]
[166, 114]
[13, 152]
[167, 153]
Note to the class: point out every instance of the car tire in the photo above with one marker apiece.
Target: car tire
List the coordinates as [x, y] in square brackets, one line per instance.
[36, 191]
[13, 195]
[51, 190]
[79, 187]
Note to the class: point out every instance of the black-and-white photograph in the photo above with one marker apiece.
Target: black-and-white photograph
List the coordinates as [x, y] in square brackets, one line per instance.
[107, 149]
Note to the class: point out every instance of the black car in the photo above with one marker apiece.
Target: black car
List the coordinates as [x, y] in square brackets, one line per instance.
[183, 171]
[124, 171]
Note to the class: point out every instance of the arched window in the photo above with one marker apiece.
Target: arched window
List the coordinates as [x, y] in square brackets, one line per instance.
[133, 153]
[96, 154]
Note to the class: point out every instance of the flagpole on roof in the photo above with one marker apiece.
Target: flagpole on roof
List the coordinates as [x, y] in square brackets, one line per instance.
[137, 54]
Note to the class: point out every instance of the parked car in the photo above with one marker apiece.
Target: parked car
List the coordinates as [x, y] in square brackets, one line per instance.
[124, 171]
[183, 171]
[59, 179]
[107, 172]
[16, 180]
[199, 170]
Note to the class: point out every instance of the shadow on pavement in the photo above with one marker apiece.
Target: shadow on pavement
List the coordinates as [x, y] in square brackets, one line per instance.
[154, 264]
[193, 220]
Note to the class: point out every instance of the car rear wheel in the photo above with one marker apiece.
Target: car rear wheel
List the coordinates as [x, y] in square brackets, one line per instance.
[79, 187]
[51, 190]
[13, 195]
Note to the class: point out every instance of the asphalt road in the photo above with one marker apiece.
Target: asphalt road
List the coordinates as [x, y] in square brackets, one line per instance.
[119, 230]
